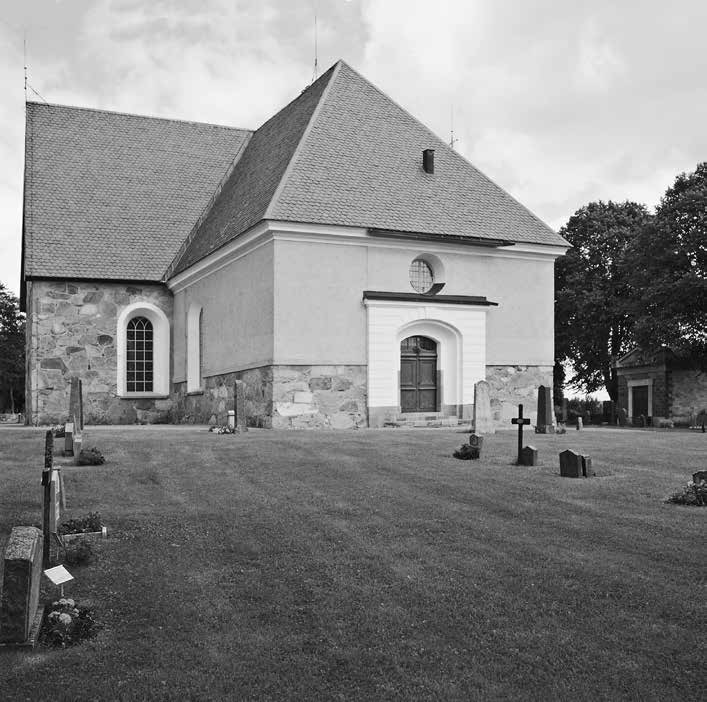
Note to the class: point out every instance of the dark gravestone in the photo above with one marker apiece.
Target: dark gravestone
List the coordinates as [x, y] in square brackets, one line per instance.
[529, 456]
[571, 465]
[476, 441]
[621, 417]
[467, 453]
[241, 423]
[20, 587]
[69, 439]
[544, 423]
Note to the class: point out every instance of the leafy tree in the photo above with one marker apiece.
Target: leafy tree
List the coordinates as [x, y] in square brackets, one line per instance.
[669, 276]
[593, 322]
[12, 352]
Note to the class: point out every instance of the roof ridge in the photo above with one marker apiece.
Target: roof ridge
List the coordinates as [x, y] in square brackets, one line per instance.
[140, 116]
[312, 119]
[447, 147]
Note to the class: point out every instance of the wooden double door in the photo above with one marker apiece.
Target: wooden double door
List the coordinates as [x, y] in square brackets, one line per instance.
[418, 374]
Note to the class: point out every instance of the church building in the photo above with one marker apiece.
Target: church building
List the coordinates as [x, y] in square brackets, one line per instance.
[341, 260]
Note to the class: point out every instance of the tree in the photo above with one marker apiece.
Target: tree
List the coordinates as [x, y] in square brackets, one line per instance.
[593, 322]
[12, 352]
[669, 278]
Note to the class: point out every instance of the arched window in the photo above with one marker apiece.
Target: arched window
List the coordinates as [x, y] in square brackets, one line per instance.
[142, 345]
[140, 357]
[195, 347]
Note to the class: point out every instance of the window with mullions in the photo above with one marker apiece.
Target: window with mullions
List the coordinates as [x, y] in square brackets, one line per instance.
[140, 355]
[420, 276]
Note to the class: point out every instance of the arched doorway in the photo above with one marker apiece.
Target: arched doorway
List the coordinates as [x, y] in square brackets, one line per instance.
[418, 374]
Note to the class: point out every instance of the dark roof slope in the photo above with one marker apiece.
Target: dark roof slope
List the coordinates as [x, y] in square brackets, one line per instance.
[111, 195]
[361, 164]
[248, 191]
[358, 163]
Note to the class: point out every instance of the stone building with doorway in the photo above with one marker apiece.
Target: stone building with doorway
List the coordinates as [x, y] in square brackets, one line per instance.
[660, 385]
[342, 260]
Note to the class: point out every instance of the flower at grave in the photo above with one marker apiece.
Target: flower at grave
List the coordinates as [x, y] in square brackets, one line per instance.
[70, 602]
[65, 619]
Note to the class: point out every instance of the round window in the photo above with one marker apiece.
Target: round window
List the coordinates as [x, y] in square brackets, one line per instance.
[420, 276]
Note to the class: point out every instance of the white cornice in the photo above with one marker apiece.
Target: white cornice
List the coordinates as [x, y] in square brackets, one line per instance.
[266, 231]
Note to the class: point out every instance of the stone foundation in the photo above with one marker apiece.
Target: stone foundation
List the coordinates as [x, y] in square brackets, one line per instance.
[510, 386]
[281, 397]
[71, 330]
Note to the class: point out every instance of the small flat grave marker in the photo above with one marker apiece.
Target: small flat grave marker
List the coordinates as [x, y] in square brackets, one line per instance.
[529, 456]
[575, 465]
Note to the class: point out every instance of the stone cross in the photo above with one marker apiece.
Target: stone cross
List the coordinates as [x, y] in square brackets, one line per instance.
[19, 606]
[520, 421]
[544, 423]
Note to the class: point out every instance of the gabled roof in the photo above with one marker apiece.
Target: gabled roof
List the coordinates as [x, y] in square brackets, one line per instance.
[346, 154]
[111, 195]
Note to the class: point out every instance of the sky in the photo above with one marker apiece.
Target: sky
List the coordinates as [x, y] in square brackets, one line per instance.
[561, 103]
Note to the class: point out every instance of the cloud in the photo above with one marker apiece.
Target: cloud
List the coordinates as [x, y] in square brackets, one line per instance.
[560, 103]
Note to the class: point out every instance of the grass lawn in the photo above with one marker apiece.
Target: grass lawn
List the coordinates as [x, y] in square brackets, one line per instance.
[372, 565]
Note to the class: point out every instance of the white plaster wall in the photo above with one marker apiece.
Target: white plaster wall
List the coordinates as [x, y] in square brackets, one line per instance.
[237, 302]
[319, 315]
[459, 331]
[520, 331]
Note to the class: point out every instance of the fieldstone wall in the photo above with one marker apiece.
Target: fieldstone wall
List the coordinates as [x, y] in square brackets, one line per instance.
[211, 404]
[688, 394]
[319, 397]
[281, 397]
[72, 332]
[510, 386]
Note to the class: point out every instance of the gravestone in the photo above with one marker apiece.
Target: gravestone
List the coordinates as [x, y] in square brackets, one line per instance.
[20, 588]
[544, 423]
[608, 409]
[54, 502]
[476, 441]
[587, 470]
[575, 465]
[579, 424]
[570, 464]
[76, 404]
[240, 420]
[46, 495]
[69, 439]
[483, 419]
[529, 456]
[621, 417]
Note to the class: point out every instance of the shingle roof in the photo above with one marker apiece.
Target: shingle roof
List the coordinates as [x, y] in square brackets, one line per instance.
[359, 163]
[111, 195]
[246, 195]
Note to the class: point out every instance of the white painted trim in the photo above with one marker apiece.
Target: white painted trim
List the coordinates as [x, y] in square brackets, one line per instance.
[640, 383]
[267, 230]
[430, 307]
[160, 349]
[194, 348]
[459, 330]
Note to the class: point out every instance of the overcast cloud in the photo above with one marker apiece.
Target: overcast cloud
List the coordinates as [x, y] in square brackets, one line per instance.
[561, 103]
